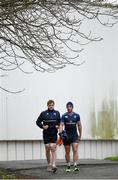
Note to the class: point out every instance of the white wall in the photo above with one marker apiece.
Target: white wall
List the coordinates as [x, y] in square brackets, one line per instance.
[87, 86]
[28, 150]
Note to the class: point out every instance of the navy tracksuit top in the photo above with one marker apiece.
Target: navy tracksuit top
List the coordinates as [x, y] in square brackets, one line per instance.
[50, 118]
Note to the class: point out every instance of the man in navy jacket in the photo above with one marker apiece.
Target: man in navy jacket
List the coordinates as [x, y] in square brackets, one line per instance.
[49, 121]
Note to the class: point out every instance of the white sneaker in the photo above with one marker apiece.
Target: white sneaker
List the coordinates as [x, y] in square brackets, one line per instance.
[49, 168]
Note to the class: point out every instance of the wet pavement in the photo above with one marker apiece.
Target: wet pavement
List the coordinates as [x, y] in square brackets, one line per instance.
[89, 169]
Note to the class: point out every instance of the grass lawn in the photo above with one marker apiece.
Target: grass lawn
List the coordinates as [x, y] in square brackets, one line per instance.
[8, 174]
[113, 158]
[5, 174]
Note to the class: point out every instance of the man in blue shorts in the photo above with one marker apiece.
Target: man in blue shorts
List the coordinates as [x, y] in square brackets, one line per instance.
[70, 122]
[49, 121]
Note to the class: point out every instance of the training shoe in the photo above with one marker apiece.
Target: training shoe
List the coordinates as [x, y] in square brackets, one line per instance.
[68, 169]
[76, 168]
[54, 169]
[49, 168]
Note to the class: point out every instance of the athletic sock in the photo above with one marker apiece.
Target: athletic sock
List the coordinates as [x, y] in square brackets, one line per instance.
[75, 164]
[68, 164]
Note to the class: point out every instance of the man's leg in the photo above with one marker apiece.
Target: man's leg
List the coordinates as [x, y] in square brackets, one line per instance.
[53, 148]
[67, 153]
[75, 152]
[48, 156]
[67, 157]
[75, 155]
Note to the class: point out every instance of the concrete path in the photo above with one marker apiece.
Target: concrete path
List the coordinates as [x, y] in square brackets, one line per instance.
[89, 169]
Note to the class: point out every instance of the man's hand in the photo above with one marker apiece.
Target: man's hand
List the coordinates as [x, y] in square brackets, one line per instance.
[79, 138]
[45, 126]
[57, 126]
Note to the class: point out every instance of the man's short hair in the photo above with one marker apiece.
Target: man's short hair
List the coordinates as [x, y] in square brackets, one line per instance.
[50, 102]
[69, 104]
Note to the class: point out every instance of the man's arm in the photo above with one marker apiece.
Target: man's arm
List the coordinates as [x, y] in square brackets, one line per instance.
[80, 129]
[39, 121]
[61, 128]
[58, 121]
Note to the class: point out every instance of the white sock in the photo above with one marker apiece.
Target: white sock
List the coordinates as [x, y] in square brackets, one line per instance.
[68, 164]
[75, 163]
[53, 165]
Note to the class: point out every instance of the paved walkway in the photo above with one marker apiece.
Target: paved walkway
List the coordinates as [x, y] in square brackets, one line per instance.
[89, 169]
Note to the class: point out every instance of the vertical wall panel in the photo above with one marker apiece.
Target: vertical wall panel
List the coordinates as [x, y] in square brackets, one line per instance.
[26, 150]
[99, 149]
[104, 149]
[11, 151]
[117, 147]
[114, 145]
[20, 151]
[60, 152]
[36, 149]
[87, 149]
[3, 151]
[42, 150]
[81, 150]
[93, 150]
[109, 148]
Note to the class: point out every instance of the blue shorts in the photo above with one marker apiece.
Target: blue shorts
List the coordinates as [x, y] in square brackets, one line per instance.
[70, 140]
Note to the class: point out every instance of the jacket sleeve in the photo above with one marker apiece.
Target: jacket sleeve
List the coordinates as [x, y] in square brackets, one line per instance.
[59, 118]
[62, 120]
[40, 120]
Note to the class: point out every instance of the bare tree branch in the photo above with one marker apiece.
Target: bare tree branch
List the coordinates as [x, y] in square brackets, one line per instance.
[45, 32]
[13, 92]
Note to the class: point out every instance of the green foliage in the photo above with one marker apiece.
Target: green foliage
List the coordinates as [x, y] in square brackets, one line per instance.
[113, 158]
[104, 123]
[5, 174]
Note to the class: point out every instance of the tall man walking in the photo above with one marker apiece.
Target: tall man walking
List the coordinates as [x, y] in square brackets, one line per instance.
[70, 122]
[49, 121]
